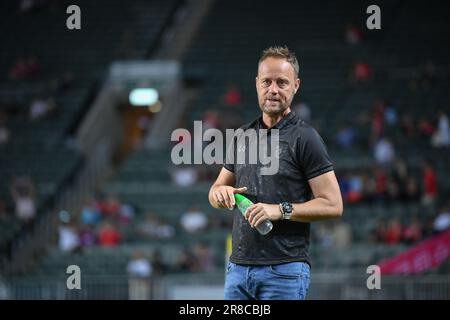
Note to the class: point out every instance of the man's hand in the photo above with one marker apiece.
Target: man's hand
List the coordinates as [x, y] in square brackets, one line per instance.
[259, 212]
[224, 196]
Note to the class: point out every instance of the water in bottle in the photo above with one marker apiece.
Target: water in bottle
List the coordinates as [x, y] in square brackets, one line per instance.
[243, 203]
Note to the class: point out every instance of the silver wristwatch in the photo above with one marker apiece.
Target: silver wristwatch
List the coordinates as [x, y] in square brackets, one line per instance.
[286, 210]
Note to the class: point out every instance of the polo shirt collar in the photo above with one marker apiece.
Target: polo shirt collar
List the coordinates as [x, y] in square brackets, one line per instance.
[280, 124]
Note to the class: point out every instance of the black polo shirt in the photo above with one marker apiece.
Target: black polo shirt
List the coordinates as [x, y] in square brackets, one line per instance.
[302, 156]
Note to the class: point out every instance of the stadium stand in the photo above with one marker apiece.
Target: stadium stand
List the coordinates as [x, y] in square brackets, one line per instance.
[410, 79]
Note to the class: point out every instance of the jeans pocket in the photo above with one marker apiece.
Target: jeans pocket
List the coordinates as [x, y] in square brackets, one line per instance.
[292, 270]
[228, 268]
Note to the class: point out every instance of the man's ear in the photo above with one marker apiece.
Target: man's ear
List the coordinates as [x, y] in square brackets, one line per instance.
[256, 82]
[297, 84]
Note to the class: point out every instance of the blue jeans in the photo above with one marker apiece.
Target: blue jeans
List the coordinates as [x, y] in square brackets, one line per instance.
[287, 281]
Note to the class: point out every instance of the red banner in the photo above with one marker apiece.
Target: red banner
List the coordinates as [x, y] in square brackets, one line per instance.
[427, 255]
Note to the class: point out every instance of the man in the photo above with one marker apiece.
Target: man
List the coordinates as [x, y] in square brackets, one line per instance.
[305, 189]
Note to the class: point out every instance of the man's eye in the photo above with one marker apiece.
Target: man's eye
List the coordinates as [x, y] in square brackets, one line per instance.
[266, 82]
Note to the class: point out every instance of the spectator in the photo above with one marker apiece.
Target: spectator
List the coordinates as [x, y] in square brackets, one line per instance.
[378, 118]
[441, 138]
[429, 180]
[390, 115]
[412, 233]
[184, 176]
[69, 240]
[193, 220]
[87, 237]
[24, 68]
[108, 235]
[139, 270]
[442, 221]
[211, 120]
[232, 96]
[139, 266]
[24, 195]
[324, 235]
[303, 110]
[40, 108]
[426, 128]
[126, 214]
[89, 214]
[346, 137]
[342, 235]
[353, 34]
[394, 232]
[384, 152]
[355, 192]
[361, 72]
[111, 207]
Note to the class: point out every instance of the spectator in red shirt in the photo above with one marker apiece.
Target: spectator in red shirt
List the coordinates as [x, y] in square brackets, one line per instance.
[413, 232]
[361, 72]
[232, 96]
[109, 236]
[430, 188]
[110, 207]
[394, 232]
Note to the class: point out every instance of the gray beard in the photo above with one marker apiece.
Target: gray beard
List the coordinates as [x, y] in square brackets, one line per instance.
[273, 112]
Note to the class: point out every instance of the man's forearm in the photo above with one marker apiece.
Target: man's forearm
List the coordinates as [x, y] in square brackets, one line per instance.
[316, 209]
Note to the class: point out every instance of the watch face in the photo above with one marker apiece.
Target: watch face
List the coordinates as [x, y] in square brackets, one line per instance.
[287, 210]
[287, 207]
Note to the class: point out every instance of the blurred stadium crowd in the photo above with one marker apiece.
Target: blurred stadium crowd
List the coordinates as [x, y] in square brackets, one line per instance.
[380, 100]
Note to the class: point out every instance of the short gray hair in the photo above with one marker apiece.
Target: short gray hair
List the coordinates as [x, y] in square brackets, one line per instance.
[283, 53]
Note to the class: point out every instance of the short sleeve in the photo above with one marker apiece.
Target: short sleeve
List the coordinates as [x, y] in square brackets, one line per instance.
[230, 155]
[312, 154]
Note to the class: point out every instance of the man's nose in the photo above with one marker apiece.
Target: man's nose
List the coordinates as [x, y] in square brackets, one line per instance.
[273, 89]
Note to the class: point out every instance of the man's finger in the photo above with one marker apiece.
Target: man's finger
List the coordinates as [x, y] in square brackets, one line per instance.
[249, 211]
[252, 211]
[221, 200]
[259, 220]
[226, 199]
[231, 197]
[239, 190]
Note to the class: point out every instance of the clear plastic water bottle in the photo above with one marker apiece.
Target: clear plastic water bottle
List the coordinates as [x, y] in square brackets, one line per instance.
[243, 203]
